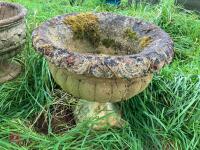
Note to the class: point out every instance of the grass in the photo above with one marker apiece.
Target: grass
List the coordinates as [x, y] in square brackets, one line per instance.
[165, 116]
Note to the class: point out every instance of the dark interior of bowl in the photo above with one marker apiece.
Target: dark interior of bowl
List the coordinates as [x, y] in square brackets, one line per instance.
[98, 34]
[7, 11]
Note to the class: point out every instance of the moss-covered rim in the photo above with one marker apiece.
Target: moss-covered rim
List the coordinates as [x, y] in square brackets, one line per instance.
[22, 13]
[153, 57]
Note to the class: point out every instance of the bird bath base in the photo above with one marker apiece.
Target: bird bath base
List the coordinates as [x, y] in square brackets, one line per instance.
[9, 70]
[104, 115]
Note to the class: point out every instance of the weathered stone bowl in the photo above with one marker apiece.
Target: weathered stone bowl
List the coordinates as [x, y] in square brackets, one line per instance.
[117, 68]
[12, 38]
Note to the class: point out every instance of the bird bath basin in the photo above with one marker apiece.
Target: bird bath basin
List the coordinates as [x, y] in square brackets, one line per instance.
[12, 38]
[102, 58]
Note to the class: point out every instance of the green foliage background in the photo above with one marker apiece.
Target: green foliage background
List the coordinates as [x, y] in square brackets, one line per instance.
[165, 116]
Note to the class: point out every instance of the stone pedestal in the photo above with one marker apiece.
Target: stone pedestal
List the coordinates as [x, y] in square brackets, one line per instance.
[9, 70]
[102, 115]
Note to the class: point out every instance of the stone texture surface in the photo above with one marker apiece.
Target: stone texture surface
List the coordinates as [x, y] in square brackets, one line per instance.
[12, 29]
[98, 89]
[51, 37]
[9, 70]
[12, 38]
[103, 115]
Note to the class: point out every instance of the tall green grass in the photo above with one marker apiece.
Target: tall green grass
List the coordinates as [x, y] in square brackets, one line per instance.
[165, 116]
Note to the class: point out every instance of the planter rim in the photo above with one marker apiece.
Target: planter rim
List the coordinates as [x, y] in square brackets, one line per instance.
[151, 59]
[22, 13]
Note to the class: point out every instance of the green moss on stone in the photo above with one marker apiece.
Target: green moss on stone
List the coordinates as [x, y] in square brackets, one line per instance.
[108, 42]
[111, 43]
[130, 34]
[85, 25]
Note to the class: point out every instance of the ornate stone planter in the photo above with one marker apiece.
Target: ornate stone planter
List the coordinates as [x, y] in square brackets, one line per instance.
[102, 58]
[12, 38]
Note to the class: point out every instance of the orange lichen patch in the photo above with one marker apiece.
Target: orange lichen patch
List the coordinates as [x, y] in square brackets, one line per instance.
[47, 48]
[144, 41]
[85, 25]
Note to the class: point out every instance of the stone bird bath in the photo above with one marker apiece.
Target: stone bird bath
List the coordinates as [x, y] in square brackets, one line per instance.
[102, 58]
[12, 38]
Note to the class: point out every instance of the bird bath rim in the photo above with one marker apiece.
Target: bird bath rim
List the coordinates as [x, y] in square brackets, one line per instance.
[152, 58]
[20, 15]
